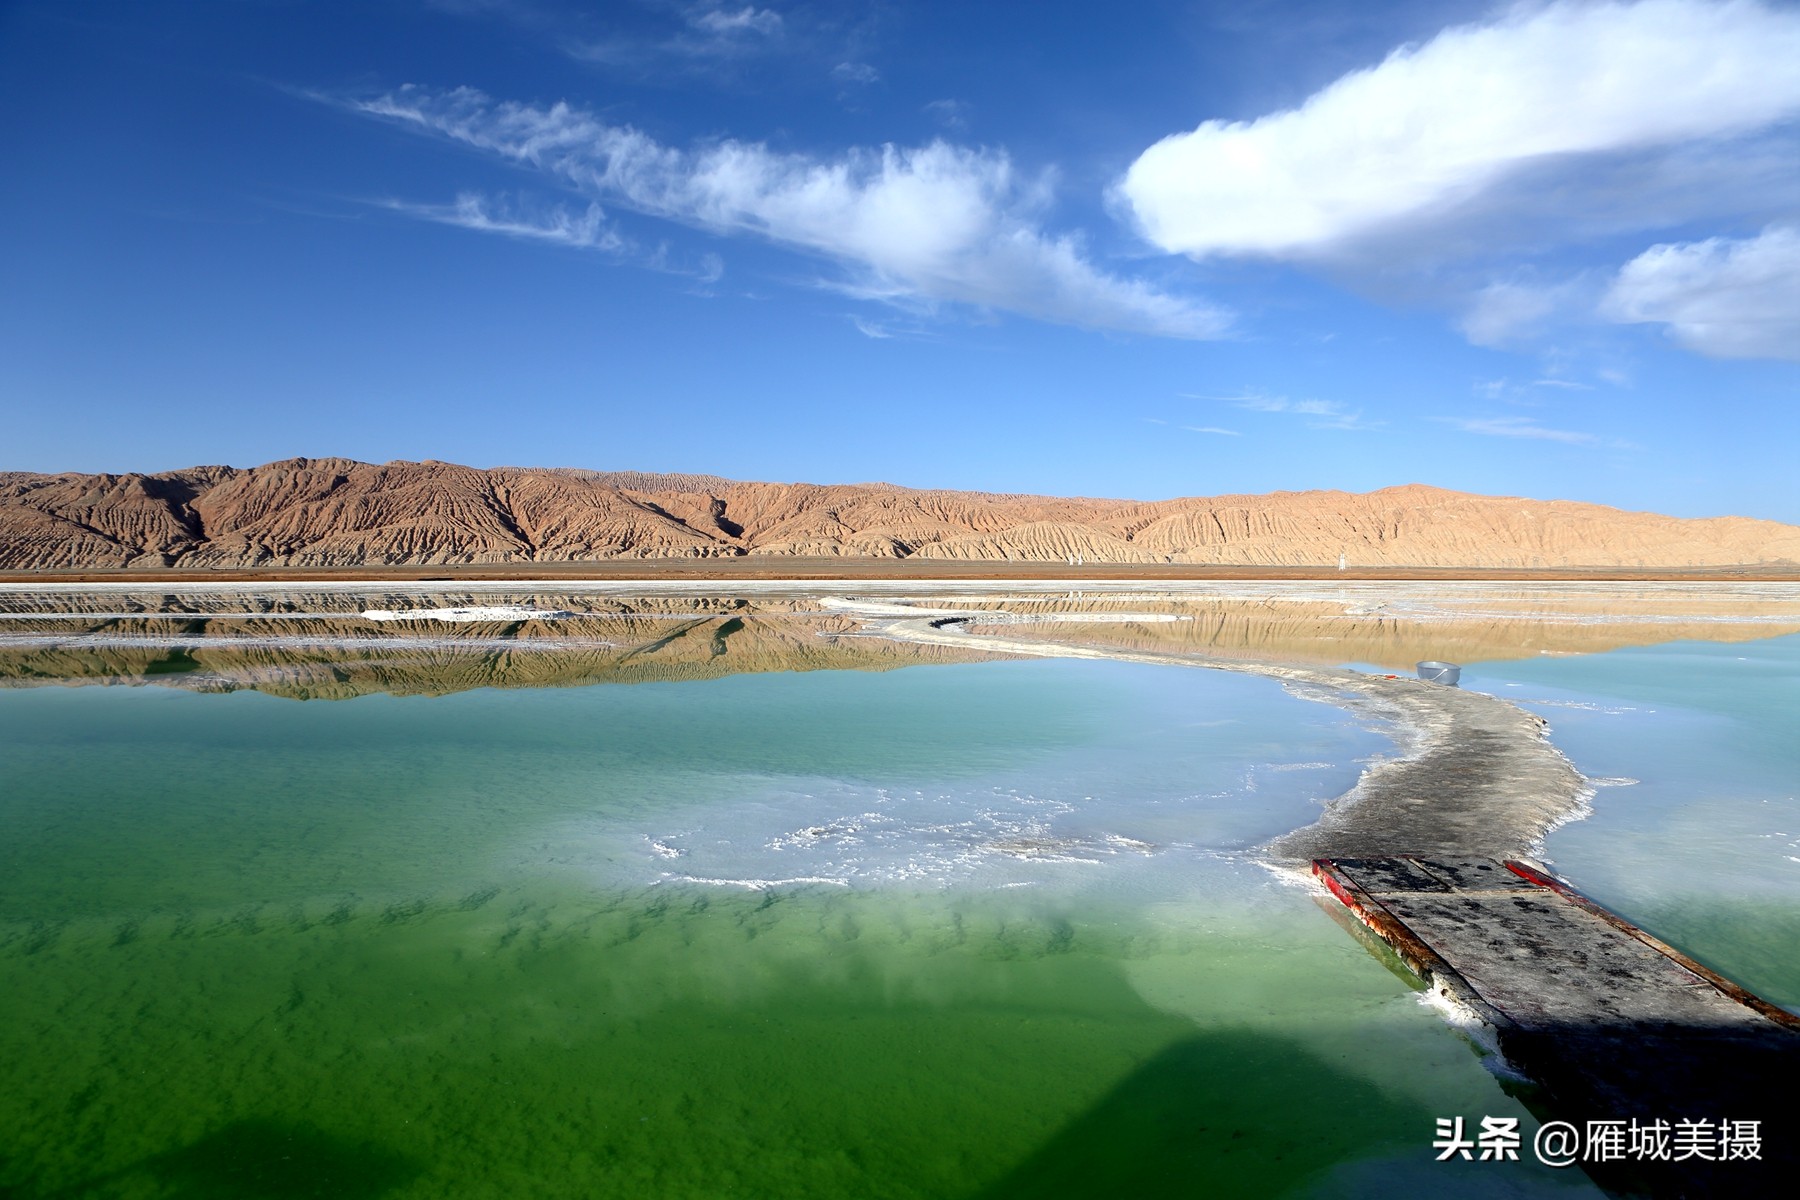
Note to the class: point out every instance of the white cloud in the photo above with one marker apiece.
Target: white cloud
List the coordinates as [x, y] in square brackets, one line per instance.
[1529, 393]
[727, 23]
[1320, 414]
[1525, 427]
[1437, 125]
[951, 114]
[1727, 298]
[704, 38]
[1504, 312]
[871, 329]
[1212, 429]
[936, 223]
[1281, 404]
[855, 72]
[711, 269]
[705, 269]
[558, 225]
[587, 231]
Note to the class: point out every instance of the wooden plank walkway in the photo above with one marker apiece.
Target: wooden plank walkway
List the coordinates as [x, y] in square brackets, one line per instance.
[1612, 1024]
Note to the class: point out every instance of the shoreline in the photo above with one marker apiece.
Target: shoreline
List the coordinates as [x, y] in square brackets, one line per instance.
[779, 584]
[862, 572]
[1475, 776]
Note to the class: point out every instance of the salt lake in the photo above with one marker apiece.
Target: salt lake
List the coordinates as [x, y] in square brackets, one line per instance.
[708, 895]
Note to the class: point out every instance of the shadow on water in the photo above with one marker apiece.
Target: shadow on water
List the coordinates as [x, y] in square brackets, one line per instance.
[269, 1160]
[1164, 1132]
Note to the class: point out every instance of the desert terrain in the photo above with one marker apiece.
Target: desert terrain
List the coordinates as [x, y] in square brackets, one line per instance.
[432, 519]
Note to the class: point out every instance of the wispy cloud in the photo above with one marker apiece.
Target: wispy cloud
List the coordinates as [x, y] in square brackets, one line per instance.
[1437, 125]
[1525, 427]
[1210, 429]
[734, 23]
[694, 37]
[855, 72]
[1281, 404]
[934, 224]
[1318, 414]
[712, 268]
[559, 225]
[587, 230]
[1723, 297]
[1534, 393]
[951, 114]
[871, 329]
[704, 269]
[1506, 312]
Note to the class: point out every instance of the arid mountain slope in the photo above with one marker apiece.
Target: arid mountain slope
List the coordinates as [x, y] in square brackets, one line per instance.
[337, 512]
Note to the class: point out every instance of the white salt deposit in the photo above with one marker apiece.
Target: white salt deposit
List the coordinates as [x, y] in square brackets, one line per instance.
[483, 612]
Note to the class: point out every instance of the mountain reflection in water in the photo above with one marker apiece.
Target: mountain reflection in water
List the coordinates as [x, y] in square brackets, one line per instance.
[319, 645]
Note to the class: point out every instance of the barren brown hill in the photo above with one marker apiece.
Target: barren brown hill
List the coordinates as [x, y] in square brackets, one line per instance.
[337, 512]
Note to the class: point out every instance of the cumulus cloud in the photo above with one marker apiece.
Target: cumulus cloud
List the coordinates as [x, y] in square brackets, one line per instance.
[936, 223]
[1723, 297]
[1437, 125]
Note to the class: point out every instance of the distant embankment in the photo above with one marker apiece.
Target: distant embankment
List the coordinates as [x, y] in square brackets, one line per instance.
[334, 512]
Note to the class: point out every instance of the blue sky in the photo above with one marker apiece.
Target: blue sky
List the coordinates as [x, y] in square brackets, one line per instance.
[1136, 250]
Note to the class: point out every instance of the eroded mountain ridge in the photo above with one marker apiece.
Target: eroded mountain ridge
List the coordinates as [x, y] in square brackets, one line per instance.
[339, 512]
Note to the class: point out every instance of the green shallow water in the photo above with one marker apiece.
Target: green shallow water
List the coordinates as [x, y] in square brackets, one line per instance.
[692, 1043]
[415, 947]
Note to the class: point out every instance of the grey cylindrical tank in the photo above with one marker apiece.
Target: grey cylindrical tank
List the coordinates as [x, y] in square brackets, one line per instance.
[1440, 672]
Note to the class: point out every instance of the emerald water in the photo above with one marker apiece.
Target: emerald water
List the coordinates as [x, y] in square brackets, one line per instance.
[961, 929]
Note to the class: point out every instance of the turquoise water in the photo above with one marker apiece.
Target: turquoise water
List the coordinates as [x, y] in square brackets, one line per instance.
[967, 930]
[144, 799]
[1695, 831]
